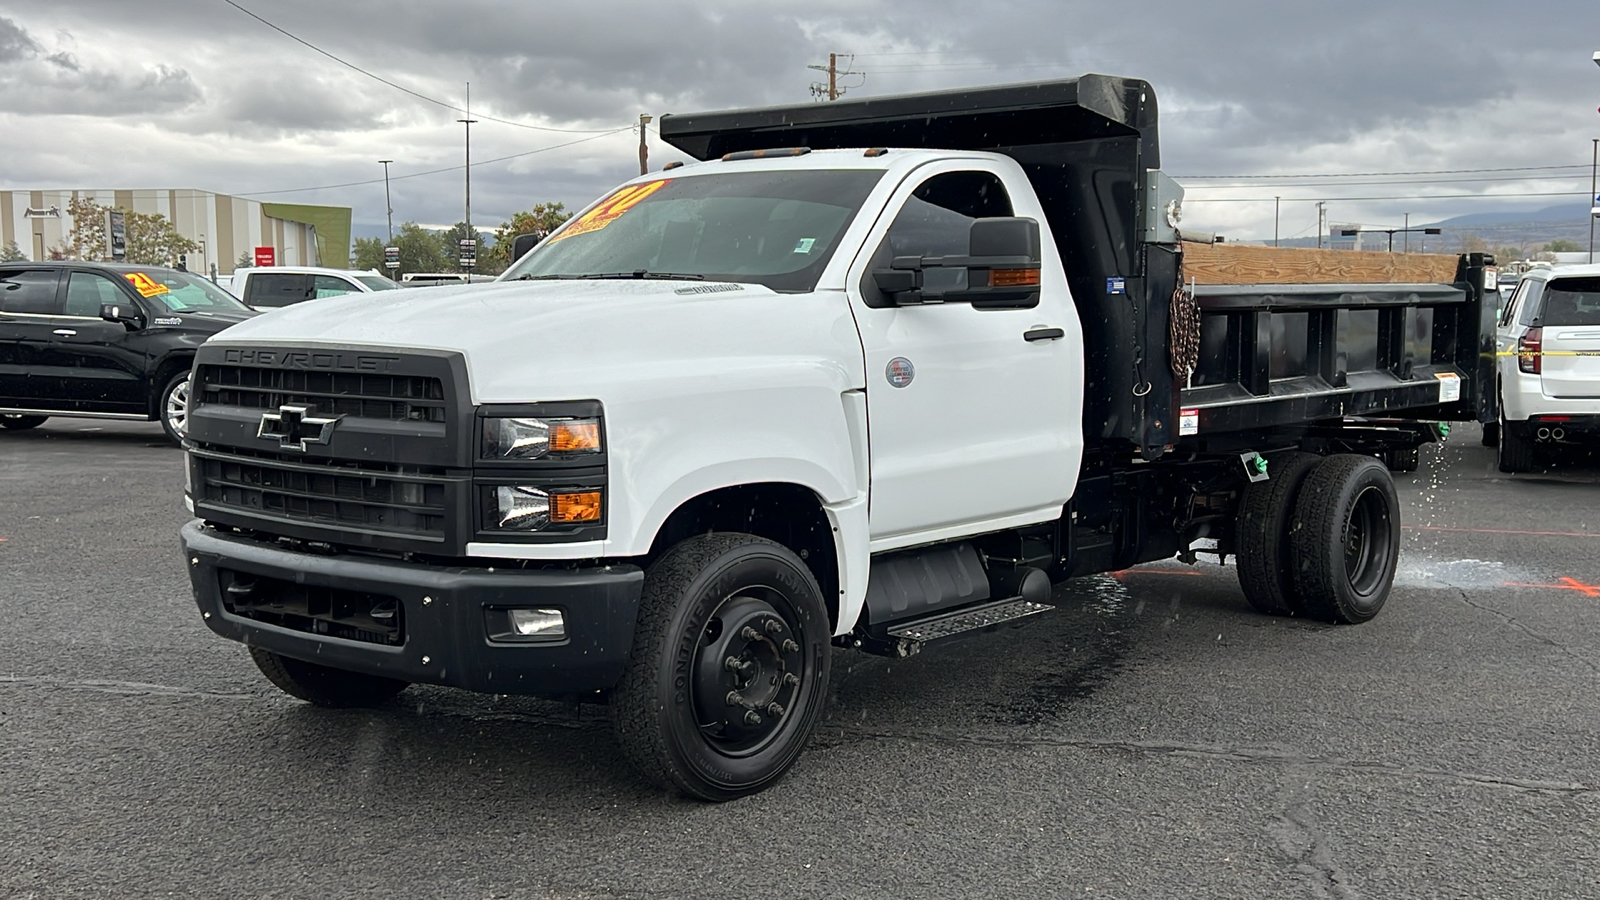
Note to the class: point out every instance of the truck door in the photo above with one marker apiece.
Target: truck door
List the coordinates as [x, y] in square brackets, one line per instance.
[99, 366]
[30, 308]
[973, 415]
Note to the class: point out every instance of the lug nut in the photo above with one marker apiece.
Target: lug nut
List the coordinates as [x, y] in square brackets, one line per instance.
[731, 664]
[774, 710]
[752, 718]
[774, 626]
[791, 679]
[789, 646]
[749, 634]
[734, 698]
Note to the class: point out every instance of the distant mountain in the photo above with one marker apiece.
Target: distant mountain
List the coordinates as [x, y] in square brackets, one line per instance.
[1563, 214]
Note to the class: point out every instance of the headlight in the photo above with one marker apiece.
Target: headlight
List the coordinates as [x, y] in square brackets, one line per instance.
[528, 438]
[523, 508]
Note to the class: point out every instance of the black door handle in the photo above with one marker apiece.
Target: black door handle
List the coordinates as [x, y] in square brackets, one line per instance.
[1043, 334]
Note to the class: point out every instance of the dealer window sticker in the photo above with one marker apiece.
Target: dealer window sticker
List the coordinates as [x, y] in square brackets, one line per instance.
[611, 209]
[147, 286]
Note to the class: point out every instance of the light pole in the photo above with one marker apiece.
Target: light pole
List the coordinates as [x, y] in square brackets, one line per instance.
[1594, 198]
[1276, 203]
[469, 121]
[1322, 213]
[644, 151]
[1405, 240]
[388, 205]
[1391, 232]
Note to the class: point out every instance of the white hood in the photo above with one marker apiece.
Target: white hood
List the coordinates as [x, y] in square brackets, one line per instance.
[566, 340]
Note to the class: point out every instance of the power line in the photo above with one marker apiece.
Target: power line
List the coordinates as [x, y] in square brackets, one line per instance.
[402, 88]
[1512, 180]
[499, 159]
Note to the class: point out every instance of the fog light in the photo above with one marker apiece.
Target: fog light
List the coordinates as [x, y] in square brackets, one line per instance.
[539, 623]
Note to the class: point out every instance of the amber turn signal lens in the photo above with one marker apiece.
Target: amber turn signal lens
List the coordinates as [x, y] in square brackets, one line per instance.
[575, 508]
[1013, 277]
[578, 436]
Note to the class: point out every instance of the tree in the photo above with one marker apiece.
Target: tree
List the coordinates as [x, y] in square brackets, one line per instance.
[450, 243]
[421, 250]
[12, 253]
[245, 260]
[542, 219]
[367, 254]
[1563, 246]
[1471, 243]
[151, 239]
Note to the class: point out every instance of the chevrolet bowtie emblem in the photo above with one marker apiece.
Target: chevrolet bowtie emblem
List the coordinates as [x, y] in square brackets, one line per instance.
[293, 427]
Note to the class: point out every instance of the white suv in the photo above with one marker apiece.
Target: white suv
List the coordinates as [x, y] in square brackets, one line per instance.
[269, 287]
[1548, 345]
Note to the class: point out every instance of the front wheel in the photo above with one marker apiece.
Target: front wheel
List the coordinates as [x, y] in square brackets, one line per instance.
[729, 671]
[19, 422]
[174, 407]
[1346, 539]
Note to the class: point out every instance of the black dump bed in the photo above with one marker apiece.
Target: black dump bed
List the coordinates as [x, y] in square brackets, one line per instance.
[1088, 146]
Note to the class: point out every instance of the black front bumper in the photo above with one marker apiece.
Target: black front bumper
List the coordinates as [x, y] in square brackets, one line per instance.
[442, 616]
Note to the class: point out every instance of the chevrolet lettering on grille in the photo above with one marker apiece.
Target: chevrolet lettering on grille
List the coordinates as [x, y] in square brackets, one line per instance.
[293, 427]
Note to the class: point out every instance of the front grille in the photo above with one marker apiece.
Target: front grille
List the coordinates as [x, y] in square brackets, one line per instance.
[377, 500]
[398, 398]
[312, 609]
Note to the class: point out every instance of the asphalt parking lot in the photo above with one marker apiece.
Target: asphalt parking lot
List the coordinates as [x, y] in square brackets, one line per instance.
[1151, 738]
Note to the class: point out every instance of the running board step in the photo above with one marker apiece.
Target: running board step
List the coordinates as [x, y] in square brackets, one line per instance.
[909, 637]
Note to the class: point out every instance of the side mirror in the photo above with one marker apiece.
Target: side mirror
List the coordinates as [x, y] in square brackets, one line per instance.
[128, 316]
[1002, 269]
[522, 243]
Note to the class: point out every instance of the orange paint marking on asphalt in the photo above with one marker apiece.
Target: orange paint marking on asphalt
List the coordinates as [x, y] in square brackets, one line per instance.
[1584, 534]
[1568, 584]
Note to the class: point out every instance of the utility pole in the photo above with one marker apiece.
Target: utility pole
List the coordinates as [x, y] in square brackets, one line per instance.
[388, 205]
[469, 121]
[644, 152]
[1277, 202]
[1405, 236]
[832, 90]
[1594, 198]
[1322, 213]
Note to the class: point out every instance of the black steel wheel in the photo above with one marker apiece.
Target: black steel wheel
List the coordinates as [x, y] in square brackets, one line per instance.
[1345, 539]
[324, 686]
[729, 670]
[20, 422]
[1261, 534]
[173, 407]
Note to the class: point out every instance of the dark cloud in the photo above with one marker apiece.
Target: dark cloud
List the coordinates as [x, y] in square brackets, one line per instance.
[1254, 86]
[15, 42]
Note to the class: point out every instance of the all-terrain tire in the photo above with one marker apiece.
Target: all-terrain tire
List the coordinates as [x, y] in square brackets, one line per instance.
[1345, 539]
[729, 670]
[20, 422]
[324, 686]
[1516, 453]
[1261, 534]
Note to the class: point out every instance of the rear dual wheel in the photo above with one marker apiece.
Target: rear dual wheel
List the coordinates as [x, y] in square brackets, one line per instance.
[1321, 538]
[729, 670]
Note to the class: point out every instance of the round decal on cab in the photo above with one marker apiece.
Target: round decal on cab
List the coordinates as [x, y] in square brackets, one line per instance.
[900, 371]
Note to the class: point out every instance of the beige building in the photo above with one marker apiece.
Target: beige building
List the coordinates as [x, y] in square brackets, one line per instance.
[225, 227]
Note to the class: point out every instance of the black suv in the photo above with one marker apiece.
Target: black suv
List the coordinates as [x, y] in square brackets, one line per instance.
[103, 340]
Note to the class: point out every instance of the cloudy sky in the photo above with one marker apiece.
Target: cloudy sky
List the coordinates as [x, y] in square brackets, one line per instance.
[198, 93]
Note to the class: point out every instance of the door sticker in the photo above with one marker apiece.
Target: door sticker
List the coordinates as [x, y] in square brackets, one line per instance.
[147, 286]
[610, 209]
[900, 371]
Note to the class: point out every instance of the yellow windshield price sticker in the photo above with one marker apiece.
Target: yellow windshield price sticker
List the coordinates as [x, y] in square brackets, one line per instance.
[611, 209]
[147, 286]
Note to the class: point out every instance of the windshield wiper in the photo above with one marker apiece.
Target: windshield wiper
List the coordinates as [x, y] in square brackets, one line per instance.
[544, 277]
[645, 273]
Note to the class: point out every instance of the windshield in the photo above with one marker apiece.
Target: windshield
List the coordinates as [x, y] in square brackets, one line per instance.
[377, 282]
[772, 228]
[183, 292]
